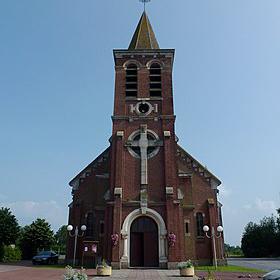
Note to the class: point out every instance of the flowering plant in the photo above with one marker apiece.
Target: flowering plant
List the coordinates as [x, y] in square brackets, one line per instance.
[171, 239]
[115, 239]
[72, 274]
[187, 264]
[103, 264]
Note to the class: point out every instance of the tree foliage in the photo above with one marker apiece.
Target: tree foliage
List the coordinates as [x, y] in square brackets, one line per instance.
[11, 254]
[35, 237]
[262, 240]
[9, 229]
[233, 251]
[61, 239]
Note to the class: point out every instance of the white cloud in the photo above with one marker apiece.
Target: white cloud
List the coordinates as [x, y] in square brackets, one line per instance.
[267, 207]
[28, 211]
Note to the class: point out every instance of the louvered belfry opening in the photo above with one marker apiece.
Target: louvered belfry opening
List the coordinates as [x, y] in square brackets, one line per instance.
[131, 80]
[155, 80]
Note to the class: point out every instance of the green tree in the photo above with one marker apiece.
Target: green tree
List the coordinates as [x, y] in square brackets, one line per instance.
[233, 250]
[9, 229]
[260, 240]
[61, 239]
[278, 233]
[35, 237]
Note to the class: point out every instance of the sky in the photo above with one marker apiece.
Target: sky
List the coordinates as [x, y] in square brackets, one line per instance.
[57, 86]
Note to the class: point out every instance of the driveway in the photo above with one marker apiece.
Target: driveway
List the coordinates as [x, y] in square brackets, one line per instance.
[262, 263]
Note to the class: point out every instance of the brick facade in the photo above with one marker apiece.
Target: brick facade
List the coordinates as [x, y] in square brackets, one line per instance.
[178, 188]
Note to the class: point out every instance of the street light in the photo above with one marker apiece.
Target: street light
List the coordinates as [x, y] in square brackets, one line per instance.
[76, 235]
[214, 235]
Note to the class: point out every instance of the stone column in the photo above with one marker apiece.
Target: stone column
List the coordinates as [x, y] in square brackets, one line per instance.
[124, 259]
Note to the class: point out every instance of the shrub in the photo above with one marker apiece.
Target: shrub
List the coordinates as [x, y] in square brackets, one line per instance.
[1, 251]
[11, 254]
[72, 274]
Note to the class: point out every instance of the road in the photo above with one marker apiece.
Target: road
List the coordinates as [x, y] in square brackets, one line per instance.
[262, 263]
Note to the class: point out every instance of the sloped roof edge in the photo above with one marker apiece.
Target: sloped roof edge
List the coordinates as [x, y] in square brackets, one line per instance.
[218, 181]
[104, 153]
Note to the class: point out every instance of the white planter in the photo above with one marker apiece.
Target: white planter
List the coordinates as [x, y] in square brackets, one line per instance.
[104, 271]
[187, 272]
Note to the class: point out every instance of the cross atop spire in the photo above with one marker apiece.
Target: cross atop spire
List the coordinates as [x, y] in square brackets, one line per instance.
[144, 2]
[144, 37]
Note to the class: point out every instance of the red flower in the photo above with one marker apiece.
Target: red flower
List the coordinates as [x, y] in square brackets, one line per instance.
[171, 239]
[115, 239]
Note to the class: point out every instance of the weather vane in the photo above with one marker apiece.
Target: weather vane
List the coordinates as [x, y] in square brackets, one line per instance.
[145, 1]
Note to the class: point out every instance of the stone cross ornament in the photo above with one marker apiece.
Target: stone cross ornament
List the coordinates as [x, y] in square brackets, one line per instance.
[144, 144]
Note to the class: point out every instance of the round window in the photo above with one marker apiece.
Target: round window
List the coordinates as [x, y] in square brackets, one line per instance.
[143, 108]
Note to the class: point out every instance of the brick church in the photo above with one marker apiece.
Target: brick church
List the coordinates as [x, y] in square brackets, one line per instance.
[145, 199]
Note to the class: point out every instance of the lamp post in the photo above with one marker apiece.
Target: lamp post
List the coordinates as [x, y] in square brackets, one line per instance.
[213, 236]
[76, 235]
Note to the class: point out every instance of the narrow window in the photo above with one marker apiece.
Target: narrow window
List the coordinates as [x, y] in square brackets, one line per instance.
[89, 224]
[199, 224]
[186, 227]
[155, 80]
[131, 80]
[220, 215]
[101, 227]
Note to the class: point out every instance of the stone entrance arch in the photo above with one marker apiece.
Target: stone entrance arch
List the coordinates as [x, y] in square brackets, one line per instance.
[162, 243]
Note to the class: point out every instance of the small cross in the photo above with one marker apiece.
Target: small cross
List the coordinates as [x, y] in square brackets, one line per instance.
[144, 2]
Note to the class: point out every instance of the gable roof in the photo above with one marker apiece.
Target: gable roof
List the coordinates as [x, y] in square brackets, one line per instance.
[196, 166]
[74, 183]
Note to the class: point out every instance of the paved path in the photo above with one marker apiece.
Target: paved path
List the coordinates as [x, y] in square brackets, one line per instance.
[16, 272]
[264, 263]
[154, 274]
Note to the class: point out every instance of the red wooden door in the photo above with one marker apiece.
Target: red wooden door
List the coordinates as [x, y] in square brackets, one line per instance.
[144, 243]
[136, 249]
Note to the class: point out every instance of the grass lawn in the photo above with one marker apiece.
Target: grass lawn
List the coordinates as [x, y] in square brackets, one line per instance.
[228, 268]
[57, 266]
[54, 266]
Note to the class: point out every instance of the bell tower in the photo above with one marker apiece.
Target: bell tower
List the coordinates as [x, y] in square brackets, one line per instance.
[143, 175]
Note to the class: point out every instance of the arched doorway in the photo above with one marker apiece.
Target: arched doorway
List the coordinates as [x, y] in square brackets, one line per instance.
[144, 251]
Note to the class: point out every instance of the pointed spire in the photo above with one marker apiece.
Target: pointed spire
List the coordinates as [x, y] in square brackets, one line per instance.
[144, 37]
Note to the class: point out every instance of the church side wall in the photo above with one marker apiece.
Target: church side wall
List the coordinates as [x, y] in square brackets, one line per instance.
[199, 198]
[89, 198]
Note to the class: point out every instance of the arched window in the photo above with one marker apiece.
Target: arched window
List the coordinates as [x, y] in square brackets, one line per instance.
[155, 80]
[199, 224]
[89, 224]
[131, 80]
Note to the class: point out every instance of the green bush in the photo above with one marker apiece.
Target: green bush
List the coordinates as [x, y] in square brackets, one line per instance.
[11, 254]
[1, 252]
